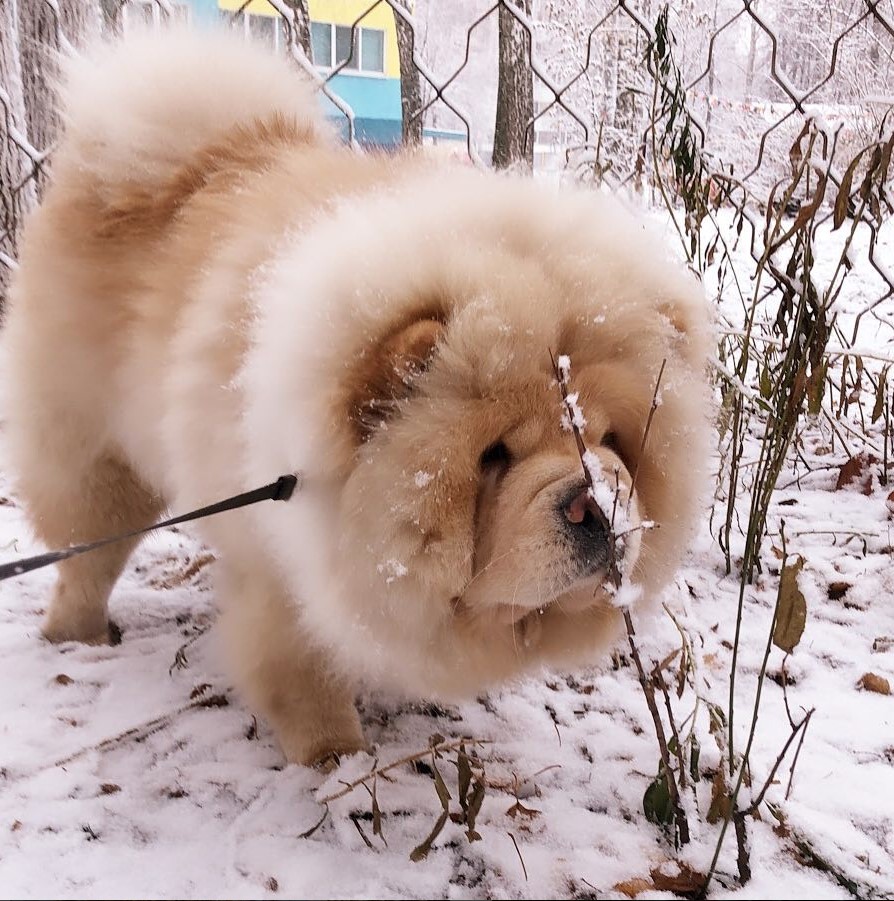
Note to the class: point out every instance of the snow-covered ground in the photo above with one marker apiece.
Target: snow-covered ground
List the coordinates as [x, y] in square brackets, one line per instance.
[124, 777]
[125, 773]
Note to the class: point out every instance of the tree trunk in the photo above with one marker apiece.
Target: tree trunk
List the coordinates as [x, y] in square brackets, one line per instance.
[302, 26]
[513, 131]
[111, 16]
[43, 40]
[410, 81]
[16, 186]
[752, 56]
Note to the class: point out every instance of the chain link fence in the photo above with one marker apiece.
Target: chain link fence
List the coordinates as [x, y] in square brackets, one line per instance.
[760, 131]
[749, 74]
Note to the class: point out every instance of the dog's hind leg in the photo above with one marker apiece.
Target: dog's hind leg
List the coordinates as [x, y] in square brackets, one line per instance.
[290, 681]
[70, 507]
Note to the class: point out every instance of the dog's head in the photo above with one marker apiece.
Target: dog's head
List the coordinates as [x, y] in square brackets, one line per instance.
[448, 535]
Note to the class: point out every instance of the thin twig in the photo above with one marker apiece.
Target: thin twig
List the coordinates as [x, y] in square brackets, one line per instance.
[658, 678]
[760, 798]
[646, 430]
[680, 820]
[791, 772]
[452, 745]
[142, 731]
[521, 859]
[613, 574]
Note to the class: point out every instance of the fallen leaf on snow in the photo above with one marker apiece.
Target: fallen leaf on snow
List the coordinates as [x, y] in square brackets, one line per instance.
[632, 887]
[791, 615]
[874, 682]
[680, 878]
[857, 469]
[837, 590]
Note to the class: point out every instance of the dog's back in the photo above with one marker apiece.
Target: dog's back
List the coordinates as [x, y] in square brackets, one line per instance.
[141, 112]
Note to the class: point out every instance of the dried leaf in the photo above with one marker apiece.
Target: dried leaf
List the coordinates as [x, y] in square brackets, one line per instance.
[695, 751]
[791, 608]
[420, 852]
[440, 787]
[632, 887]
[879, 407]
[475, 802]
[683, 881]
[716, 719]
[109, 788]
[835, 591]
[844, 193]
[720, 801]
[681, 672]
[816, 386]
[857, 469]
[377, 814]
[875, 683]
[463, 777]
[866, 184]
[808, 210]
[519, 809]
[796, 153]
[765, 384]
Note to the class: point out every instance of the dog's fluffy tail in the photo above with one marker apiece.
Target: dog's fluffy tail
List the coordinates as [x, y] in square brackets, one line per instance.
[139, 110]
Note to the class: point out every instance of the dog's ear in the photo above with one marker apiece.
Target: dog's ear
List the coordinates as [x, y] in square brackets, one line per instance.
[386, 375]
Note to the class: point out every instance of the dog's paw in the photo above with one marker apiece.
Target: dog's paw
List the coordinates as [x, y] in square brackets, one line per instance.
[58, 630]
[328, 763]
[325, 757]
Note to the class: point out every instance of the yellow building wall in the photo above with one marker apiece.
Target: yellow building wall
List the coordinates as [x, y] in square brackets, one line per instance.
[339, 12]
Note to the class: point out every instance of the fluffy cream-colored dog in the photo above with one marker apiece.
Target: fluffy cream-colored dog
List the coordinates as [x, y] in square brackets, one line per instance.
[215, 293]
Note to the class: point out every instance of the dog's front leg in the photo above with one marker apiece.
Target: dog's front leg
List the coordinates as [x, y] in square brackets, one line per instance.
[309, 705]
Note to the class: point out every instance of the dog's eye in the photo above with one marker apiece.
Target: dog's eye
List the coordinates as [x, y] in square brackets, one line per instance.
[611, 441]
[496, 456]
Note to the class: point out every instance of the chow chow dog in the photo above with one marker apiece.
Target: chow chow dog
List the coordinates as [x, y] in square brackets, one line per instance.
[216, 292]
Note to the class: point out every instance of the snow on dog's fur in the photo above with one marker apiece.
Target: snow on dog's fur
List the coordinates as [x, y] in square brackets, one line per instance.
[214, 293]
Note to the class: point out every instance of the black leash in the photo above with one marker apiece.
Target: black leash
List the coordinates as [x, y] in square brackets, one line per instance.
[280, 490]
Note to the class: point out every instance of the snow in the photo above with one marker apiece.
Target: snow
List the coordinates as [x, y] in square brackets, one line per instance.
[126, 774]
[118, 782]
[422, 479]
[392, 569]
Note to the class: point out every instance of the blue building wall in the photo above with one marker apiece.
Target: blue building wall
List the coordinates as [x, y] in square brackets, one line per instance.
[204, 12]
[376, 106]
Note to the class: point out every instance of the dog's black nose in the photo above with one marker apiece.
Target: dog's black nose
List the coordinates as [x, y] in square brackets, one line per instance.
[588, 529]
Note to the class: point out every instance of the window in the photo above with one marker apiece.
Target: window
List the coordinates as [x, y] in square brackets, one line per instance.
[321, 43]
[332, 47]
[344, 49]
[263, 29]
[372, 47]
